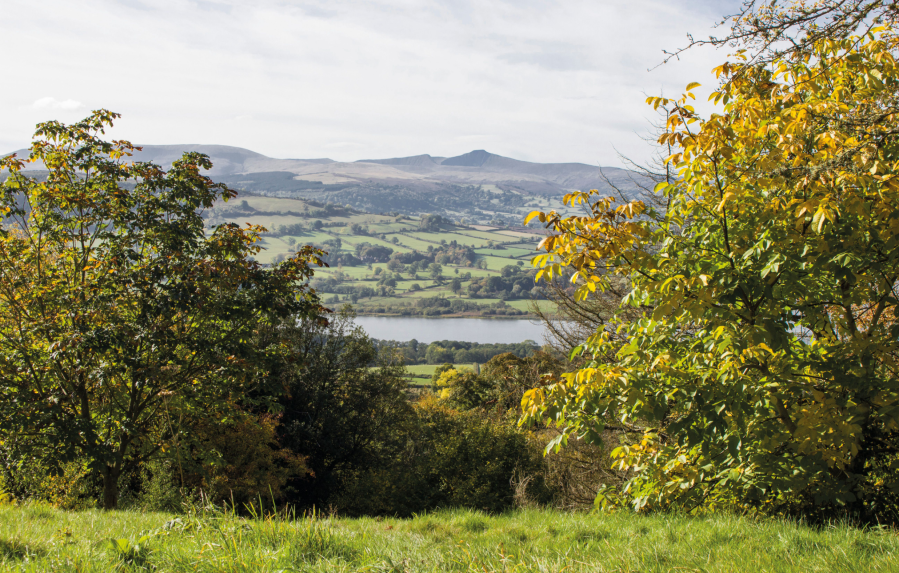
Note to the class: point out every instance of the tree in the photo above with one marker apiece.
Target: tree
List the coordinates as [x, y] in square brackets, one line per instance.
[338, 412]
[433, 222]
[456, 285]
[766, 372]
[773, 30]
[440, 370]
[117, 312]
[436, 271]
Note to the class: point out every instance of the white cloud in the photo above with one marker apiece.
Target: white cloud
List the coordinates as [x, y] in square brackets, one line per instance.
[541, 80]
[53, 103]
[344, 145]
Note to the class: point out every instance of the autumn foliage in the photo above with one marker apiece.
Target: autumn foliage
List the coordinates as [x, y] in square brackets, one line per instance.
[763, 371]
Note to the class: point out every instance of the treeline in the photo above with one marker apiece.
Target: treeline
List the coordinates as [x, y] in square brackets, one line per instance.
[347, 435]
[429, 306]
[436, 306]
[458, 352]
[514, 282]
[414, 262]
[312, 210]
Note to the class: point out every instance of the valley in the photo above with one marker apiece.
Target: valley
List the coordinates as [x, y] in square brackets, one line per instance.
[395, 264]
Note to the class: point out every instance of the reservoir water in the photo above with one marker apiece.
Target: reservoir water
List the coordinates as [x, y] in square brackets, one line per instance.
[481, 330]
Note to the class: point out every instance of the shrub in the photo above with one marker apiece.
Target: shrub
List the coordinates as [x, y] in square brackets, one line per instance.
[452, 459]
[338, 412]
[249, 462]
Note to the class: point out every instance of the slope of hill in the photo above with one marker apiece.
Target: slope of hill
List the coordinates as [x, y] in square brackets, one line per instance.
[226, 159]
[478, 186]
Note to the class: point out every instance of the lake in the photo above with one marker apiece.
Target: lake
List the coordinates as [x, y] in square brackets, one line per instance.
[481, 330]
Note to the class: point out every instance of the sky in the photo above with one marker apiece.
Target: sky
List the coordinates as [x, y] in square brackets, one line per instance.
[537, 80]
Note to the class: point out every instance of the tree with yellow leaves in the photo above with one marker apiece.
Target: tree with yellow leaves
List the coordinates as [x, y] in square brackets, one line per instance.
[765, 374]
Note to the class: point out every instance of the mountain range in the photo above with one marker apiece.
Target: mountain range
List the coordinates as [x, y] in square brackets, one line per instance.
[479, 183]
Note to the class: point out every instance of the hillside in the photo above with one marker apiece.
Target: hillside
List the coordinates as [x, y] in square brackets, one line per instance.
[478, 186]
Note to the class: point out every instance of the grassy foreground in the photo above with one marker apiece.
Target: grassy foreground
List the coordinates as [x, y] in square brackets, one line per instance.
[40, 538]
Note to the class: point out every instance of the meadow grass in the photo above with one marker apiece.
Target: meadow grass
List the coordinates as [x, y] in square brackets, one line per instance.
[461, 239]
[432, 238]
[353, 273]
[508, 253]
[354, 240]
[389, 228]
[310, 237]
[492, 236]
[520, 235]
[496, 263]
[525, 305]
[38, 538]
[409, 242]
[481, 273]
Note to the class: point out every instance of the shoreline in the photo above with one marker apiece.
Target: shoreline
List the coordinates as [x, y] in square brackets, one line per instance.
[456, 315]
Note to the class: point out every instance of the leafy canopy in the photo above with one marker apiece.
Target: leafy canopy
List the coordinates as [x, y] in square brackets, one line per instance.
[119, 313]
[763, 367]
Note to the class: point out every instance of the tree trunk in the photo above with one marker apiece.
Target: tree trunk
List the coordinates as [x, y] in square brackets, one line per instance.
[110, 488]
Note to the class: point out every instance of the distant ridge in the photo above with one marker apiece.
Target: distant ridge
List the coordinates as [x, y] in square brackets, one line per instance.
[419, 179]
[414, 161]
[226, 159]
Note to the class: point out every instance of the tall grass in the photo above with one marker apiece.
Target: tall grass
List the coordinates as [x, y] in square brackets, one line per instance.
[39, 538]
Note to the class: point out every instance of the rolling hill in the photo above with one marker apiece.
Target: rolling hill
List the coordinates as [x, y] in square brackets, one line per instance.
[477, 186]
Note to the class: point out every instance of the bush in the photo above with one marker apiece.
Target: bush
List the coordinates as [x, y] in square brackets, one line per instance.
[341, 414]
[69, 485]
[451, 459]
[249, 464]
[160, 487]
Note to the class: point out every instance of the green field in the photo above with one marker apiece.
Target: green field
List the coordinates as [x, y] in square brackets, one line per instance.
[354, 240]
[509, 248]
[37, 539]
[427, 370]
[490, 236]
[507, 252]
[410, 242]
[496, 263]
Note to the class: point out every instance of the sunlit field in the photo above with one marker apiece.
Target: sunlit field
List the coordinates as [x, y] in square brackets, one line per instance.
[39, 538]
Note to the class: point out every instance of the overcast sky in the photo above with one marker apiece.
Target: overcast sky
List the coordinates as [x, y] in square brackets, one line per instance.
[537, 80]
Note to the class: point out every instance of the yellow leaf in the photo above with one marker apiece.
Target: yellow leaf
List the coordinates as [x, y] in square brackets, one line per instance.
[724, 199]
[533, 214]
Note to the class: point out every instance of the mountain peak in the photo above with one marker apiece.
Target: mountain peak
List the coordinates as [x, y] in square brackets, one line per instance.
[474, 158]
